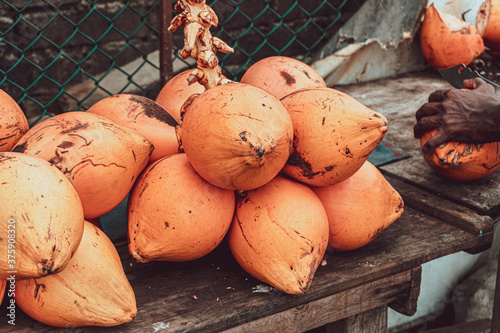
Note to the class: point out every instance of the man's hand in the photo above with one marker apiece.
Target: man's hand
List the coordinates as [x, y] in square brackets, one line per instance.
[460, 115]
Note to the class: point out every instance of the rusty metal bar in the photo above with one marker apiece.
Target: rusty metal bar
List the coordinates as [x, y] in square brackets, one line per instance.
[166, 45]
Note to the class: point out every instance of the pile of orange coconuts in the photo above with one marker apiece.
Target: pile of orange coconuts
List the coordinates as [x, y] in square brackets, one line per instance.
[446, 41]
[276, 165]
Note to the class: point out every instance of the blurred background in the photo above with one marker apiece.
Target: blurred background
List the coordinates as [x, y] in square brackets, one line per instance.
[65, 55]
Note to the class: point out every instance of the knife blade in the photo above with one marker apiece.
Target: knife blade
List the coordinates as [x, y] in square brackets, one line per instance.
[456, 75]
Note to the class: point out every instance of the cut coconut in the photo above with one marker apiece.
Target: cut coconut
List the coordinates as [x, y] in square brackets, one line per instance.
[447, 40]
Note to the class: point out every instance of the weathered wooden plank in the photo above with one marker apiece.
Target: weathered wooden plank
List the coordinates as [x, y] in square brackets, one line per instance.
[435, 205]
[480, 195]
[398, 99]
[228, 297]
[372, 321]
[407, 303]
[345, 304]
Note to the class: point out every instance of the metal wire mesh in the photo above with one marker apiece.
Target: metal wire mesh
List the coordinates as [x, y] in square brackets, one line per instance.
[64, 55]
[259, 29]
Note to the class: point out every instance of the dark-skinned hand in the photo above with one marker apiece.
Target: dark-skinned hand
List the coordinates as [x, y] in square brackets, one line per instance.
[468, 116]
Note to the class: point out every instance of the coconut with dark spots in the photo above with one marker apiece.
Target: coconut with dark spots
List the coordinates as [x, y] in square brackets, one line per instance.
[280, 76]
[91, 291]
[279, 234]
[333, 135]
[41, 220]
[237, 136]
[462, 161]
[146, 117]
[13, 122]
[359, 208]
[174, 214]
[101, 158]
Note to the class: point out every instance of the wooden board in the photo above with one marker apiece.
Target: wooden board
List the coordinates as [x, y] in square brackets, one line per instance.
[346, 304]
[227, 297]
[398, 99]
[373, 321]
[447, 211]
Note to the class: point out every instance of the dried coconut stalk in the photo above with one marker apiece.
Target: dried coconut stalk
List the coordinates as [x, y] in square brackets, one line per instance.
[197, 18]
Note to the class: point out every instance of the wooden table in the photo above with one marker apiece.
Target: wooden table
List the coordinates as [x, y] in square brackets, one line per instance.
[354, 289]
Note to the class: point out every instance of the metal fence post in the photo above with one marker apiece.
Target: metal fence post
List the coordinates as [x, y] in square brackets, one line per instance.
[166, 66]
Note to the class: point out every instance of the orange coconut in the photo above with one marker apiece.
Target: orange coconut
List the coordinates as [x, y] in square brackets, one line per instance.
[333, 135]
[146, 117]
[41, 220]
[174, 214]
[359, 208]
[280, 75]
[176, 92]
[491, 35]
[237, 136]
[279, 234]
[462, 161]
[101, 158]
[13, 122]
[447, 41]
[91, 291]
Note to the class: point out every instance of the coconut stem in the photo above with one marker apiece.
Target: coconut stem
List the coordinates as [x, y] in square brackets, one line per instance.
[197, 18]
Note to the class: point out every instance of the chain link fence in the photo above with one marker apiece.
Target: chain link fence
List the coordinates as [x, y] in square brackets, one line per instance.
[65, 55]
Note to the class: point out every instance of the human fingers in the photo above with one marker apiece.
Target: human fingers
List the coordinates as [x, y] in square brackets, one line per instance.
[478, 83]
[425, 125]
[427, 110]
[431, 144]
[473, 83]
[438, 96]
